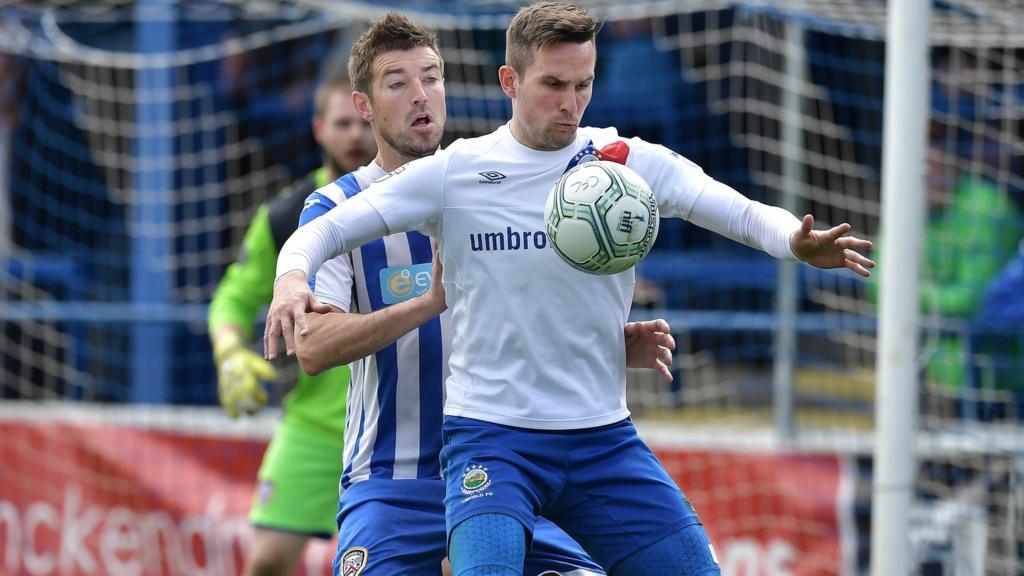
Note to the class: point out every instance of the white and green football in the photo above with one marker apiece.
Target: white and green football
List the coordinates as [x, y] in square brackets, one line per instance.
[601, 217]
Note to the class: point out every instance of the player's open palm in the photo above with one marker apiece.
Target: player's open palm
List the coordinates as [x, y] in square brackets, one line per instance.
[649, 345]
[292, 299]
[830, 249]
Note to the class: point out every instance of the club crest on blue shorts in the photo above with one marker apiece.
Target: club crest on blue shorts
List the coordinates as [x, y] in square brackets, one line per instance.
[353, 561]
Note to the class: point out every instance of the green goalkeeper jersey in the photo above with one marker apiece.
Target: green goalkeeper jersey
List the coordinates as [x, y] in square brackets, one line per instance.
[317, 403]
[965, 246]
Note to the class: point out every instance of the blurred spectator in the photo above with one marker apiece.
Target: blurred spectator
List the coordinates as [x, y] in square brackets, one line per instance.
[971, 233]
[269, 91]
[647, 295]
[1000, 323]
[1004, 301]
[642, 86]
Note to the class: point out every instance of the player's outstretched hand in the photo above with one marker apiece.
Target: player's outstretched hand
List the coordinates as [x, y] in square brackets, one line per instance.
[649, 345]
[292, 299]
[830, 249]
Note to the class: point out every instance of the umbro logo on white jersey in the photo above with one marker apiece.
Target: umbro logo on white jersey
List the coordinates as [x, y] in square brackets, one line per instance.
[491, 177]
[507, 240]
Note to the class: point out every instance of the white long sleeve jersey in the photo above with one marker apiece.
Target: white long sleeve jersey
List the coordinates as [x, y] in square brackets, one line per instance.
[536, 343]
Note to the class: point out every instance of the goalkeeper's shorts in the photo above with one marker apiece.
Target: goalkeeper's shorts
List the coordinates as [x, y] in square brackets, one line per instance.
[388, 527]
[297, 490]
[603, 485]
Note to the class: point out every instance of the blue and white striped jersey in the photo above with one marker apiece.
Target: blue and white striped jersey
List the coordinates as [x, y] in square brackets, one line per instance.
[396, 396]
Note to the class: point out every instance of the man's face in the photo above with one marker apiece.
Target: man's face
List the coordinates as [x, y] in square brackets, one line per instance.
[553, 92]
[345, 137]
[407, 105]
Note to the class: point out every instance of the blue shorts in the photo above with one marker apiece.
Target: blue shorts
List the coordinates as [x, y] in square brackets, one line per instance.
[388, 527]
[602, 485]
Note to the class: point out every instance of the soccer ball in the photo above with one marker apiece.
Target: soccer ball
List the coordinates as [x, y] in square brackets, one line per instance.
[601, 217]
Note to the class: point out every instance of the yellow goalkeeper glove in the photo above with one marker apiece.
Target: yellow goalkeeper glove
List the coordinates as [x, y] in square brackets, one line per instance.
[239, 373]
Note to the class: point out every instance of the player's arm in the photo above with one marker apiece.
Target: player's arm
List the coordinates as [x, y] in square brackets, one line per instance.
[248, 282]
[341, 337]
[408, 197]
[684, 190]
[340, 230]
[245, 287]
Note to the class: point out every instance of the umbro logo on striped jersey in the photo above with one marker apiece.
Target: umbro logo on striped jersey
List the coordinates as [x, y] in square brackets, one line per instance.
[491, 177]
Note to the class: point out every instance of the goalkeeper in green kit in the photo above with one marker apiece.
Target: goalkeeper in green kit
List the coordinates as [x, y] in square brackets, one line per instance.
[297, 492]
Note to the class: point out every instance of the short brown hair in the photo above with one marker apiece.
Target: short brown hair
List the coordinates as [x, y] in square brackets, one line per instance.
[328, 87]
[393, 31]
[542, 24]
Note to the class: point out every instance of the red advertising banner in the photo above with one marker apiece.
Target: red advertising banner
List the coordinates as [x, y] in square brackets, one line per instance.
[768, 515]
[91, 499]
[82, 499]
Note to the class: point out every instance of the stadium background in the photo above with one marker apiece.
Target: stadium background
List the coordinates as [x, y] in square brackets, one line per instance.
[138, 138]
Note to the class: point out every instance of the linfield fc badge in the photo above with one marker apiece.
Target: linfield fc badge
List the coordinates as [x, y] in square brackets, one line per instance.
[475, 479]
[353, 561]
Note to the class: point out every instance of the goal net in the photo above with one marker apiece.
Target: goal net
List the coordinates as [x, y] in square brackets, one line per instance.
[791, 101]
[139, 137]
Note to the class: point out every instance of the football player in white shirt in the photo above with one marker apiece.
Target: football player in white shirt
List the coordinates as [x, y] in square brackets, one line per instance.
[385, 305]
[536, 422]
